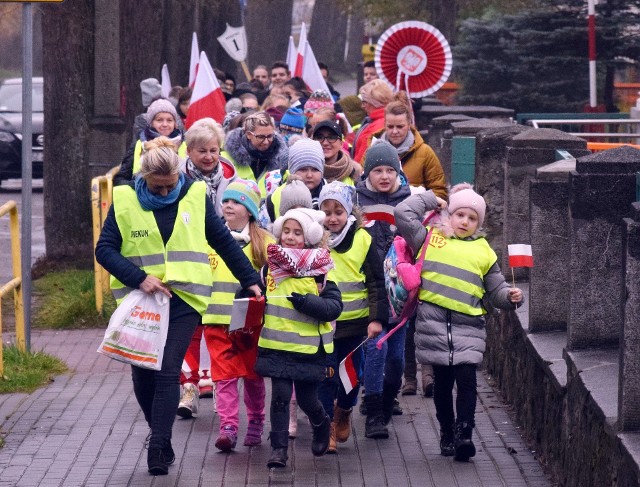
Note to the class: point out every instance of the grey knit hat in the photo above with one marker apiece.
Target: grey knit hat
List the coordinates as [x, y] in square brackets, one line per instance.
[161, 106]
[295, 195]
[151, 90]
[381, 154]
[306, 153]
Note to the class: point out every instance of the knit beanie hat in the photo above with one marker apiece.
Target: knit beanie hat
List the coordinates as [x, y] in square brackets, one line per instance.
[306, 153]
[352, 108]
[381, 154]
[292, 122]
[463, 196]
[244, 192]
[318, 99]
[277, 114]
[161, 106]
[151, 90]
[295, 194]
[310, 220]
[342, 193]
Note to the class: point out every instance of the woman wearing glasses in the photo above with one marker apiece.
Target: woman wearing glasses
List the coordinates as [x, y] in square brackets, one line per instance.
[256, 148]
[338, 165]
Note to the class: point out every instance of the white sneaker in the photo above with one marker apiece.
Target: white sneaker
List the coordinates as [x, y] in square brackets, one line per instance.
[188, 407]
[293, 418]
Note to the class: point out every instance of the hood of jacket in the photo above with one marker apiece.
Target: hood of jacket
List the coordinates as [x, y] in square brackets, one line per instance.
[241, 157]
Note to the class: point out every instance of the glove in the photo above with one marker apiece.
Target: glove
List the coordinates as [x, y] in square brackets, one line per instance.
[297, 300]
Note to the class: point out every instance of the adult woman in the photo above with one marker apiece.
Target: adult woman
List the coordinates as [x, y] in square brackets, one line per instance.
[256, 149]
[203, 139]
[163, 121]
[375, 96]
[164, 221]
[419, 163]
[338, 165]
[184, 100]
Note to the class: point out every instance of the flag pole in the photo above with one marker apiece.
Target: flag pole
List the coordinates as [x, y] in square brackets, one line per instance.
[245, 68]
[513, 276]
[352, 351]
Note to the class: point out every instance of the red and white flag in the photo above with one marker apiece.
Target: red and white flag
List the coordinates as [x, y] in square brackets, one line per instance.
[292, 54]
[195, 58]
[207, 99]
[247, 313]
[302, 42]
[348, 373]
[378, 213]
[165, 82]
[520, 255]
[311, 73]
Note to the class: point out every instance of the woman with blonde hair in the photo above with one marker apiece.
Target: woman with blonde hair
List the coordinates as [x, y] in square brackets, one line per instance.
[375, 96]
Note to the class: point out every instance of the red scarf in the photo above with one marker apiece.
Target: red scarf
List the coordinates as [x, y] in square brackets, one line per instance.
[284, 263]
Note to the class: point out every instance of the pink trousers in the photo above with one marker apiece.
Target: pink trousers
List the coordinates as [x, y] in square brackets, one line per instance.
[228, 400]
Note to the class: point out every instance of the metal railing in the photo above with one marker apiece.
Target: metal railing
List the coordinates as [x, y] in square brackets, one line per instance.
[14, 284]
[630, 127]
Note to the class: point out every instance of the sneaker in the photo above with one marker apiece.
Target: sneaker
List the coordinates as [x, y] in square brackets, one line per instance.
[227, 439]
[188, 407]
[254, 433]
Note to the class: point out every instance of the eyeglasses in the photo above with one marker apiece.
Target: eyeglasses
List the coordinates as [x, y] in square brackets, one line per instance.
[262, 138]
[322, 138]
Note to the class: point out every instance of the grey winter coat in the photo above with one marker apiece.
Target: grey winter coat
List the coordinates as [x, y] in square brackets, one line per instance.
[276, 157]
[443, 336]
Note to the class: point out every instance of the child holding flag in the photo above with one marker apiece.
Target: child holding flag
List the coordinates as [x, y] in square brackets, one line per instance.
[297, 335]
[358, 273]
[233, 355]
[460, 269]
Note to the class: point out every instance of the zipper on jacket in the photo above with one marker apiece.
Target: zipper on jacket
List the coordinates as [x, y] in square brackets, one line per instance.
[450, 337]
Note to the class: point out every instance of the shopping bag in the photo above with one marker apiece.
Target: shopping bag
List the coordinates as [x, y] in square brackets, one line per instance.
[137, 330]
[247, 313]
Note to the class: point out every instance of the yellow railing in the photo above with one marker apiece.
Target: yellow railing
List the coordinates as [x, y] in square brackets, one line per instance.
[101, 195]
[14, 284]
[600, 146]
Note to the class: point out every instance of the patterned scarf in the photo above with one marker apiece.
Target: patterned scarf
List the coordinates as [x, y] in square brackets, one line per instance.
[212, 180]
[284, 263]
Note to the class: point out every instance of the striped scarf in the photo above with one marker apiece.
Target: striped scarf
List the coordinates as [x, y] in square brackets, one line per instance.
[284, 262]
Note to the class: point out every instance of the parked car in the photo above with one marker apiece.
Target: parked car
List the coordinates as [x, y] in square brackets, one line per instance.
[11, 128]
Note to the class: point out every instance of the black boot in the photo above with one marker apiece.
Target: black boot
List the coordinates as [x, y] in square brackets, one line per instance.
[389, 394]
[321, 433]
[447, 441]
[156, 462]
[464, 447]
[279, 447]
[375, 426]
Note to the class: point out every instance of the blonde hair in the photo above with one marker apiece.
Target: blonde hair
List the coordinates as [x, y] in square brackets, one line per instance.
[259, 239]
[275, 100]
[160, 157]
[258, 119]
[202, 131]
[377, 93]
[399, 106]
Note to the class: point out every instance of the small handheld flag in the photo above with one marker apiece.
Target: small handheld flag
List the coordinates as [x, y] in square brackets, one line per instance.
[247, 313]
[520, 255]
[347, 370]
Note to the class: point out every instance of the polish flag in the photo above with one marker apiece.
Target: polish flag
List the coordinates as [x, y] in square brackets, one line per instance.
[247, 313]
[520, 255]
[302, 42]
[195, 57]
[165, 81]
[311, 73]
[347, 373]
[207, 99]
[291, 54]
[378, 213]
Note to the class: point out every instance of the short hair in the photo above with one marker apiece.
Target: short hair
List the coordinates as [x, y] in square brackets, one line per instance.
[280, 64]
[257, 119]
[323, 66]
[160, 157]
[244, 96]
[202, 131]
[369, 64]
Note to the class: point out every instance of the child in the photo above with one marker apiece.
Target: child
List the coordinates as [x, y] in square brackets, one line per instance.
[359, 276]
[297, 336]
[383, 184]
[233, 355]
[460, 269]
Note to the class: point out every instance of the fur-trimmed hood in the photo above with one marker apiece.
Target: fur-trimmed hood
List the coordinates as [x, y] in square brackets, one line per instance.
[241, 157]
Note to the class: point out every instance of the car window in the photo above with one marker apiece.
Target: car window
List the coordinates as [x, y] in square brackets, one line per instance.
[11, 98]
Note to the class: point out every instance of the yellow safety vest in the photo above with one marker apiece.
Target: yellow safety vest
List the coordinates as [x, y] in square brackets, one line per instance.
[453, 272]
[349, 277]
[245, 172]
[137, 155]
[287, 329]
[185, 270]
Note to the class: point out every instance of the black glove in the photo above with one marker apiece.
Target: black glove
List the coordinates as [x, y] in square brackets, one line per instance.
[297, 300]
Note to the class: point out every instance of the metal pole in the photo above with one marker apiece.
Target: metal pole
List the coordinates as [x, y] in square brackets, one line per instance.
[27, 157]
[593, 99]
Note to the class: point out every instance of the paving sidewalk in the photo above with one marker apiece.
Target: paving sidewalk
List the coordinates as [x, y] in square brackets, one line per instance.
[85, 429]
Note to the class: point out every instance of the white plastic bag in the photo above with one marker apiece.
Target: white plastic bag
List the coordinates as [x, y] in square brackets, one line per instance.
[137, 330]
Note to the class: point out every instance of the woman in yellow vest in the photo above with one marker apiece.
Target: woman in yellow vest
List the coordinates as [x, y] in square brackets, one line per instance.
[233, 355]
[460, 270]
[358, 273]
[297, 335]
[154, 239]
[162, 120]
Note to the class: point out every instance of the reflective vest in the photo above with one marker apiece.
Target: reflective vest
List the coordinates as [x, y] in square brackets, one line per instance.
[245, 172]
[349, 277]
[453, 272]
[185, 270]
[137, 155]
[287, 329]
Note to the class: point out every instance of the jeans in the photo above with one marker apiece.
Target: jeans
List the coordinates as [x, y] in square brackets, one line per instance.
[158, 391]
[306, 396]
[331, 388]
[386, 364]
[464, 376]
[228, 401]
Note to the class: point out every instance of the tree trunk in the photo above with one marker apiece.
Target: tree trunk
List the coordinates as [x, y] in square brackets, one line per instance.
[328, 33]
[268, 25]
[443, 15]
[214, 18]
[68, 93]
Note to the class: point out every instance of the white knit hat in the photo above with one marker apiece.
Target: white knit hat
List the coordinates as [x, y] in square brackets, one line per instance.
[310, 220]
[161, 106]
[306, 153]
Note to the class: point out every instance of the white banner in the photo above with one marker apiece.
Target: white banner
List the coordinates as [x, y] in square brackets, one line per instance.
[234, 41]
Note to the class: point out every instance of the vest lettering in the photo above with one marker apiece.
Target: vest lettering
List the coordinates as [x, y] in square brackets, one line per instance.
[139, 233]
